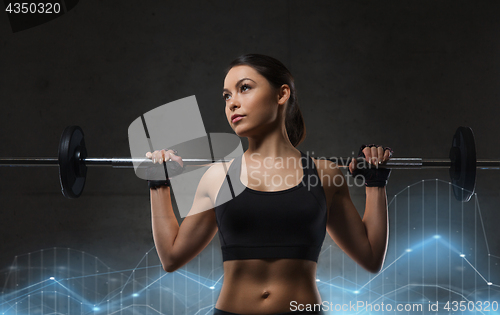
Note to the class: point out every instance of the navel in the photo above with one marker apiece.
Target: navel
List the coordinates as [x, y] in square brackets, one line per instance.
[265, 295]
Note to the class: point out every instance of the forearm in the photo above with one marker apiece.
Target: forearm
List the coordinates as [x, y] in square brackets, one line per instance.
[375, 220]
[164, 224]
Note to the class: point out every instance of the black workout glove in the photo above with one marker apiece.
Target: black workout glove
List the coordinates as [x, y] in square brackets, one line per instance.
[153, 184]
[374, 176]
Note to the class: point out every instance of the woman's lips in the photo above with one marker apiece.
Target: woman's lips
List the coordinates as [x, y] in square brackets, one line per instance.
[237, 119]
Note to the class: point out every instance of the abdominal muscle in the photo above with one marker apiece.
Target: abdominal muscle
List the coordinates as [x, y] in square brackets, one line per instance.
[267, 286]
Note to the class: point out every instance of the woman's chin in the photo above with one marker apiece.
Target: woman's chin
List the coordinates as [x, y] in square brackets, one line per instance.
[240, 132]
[247, 131]
[243, 134]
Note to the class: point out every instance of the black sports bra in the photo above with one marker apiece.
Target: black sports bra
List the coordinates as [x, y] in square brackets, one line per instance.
[256, 224]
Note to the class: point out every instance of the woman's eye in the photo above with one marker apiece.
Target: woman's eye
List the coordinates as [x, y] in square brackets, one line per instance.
[243, 88]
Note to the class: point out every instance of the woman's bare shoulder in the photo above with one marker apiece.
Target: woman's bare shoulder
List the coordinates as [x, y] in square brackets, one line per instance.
[325, 165]
[329, 173]
[214, 177]
[218, 169]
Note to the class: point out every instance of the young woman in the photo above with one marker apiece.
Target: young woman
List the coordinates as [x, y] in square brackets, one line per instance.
[271, 233]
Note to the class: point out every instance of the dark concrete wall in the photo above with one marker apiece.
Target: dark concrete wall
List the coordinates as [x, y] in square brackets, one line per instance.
[398, 73]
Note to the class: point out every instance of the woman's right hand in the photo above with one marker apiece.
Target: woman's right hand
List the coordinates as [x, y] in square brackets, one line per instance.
[160, 156]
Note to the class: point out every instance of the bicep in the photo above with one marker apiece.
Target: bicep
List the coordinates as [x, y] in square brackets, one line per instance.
[199, 227]
[345, 225]
[195, 233]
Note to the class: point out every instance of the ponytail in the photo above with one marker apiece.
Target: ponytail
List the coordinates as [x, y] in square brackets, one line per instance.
[294, 122]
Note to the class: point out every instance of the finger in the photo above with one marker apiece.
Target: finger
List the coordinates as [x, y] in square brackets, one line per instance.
[380, 153]
[176, 158]
[352, 165]
[368, 154]
[162, 156]
[174, 151]
[154, 156]
[166, 155]
[157, 156]
[148, 155]
[387, 155]
[374, 155]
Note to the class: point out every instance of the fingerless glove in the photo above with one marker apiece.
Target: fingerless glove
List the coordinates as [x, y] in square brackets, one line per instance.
[374, 176]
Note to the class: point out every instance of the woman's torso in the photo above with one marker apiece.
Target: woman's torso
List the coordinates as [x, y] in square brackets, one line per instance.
[266, 286]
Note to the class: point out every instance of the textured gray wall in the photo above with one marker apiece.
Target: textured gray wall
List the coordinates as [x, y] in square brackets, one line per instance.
[399, 73]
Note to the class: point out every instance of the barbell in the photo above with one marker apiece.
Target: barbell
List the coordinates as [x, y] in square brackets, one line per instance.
[73, 162]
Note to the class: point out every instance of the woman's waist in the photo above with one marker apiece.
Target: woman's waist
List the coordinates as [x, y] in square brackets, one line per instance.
[267, 295]
[262, 249]
[274, 271]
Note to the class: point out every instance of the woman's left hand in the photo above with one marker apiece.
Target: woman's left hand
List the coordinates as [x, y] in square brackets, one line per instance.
[375, 155]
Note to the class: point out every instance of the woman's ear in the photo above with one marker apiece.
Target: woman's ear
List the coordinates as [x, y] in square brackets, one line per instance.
[284, 94]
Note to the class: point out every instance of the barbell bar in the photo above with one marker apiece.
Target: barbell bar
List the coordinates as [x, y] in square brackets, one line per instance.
[122, 162]
[73, 161]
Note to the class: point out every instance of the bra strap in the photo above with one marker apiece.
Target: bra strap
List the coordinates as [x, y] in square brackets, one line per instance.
[307, 165]
[234, 174]
[312, 181]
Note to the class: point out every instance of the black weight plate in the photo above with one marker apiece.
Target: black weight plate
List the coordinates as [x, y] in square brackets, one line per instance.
[72, 170]
[463, 168]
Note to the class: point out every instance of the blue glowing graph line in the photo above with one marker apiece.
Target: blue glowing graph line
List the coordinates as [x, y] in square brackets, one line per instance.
[419, 285]
[132, 270]
[136, 305]
[383, 270]
[218, 280]
[132, 273]
[321, 253]
[321, 283]
[427, 180]
[482, 224]
[486, 281]
[74, 296]
[149, 285]
[405, 253]
[195, 281]
[26, 297]
[210, 309]
[29, 293]
[355, 289]
[205, 278]
[30, 286]
[111, 272]
[443, 242]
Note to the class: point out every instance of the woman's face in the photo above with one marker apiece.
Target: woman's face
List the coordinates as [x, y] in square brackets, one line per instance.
[249, 94]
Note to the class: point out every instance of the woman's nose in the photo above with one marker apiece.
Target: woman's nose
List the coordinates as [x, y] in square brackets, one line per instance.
[233, 103]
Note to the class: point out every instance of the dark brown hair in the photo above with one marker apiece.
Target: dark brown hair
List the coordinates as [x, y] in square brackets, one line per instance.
[277, 75]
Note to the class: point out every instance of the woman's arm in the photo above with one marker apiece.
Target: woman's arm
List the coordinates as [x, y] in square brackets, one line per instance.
[363, 239]
[177, 245]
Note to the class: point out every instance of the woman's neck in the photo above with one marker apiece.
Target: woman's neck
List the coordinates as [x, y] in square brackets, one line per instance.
[274, 144]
